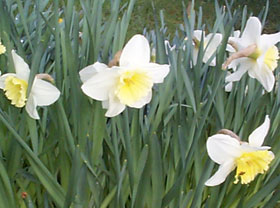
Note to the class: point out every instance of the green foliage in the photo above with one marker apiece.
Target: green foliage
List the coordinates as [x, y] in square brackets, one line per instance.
[151, 157]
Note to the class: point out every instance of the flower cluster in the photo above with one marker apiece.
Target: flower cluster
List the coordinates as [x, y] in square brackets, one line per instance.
[128, 81]
[251, 52]
[254, 53]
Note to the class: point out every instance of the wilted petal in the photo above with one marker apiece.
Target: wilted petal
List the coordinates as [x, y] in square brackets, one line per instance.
[87, 72]
[257, 137]
[44, 92]
[136, 52]
[222, 173]
[22, 69]
[222, 148]
[252, 31]
[99, 86]
[157, 71]
[30, 107]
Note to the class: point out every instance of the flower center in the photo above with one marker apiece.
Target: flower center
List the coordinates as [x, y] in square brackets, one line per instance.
[132, 86]
[252, 163]
[15, 90]
[270, 58]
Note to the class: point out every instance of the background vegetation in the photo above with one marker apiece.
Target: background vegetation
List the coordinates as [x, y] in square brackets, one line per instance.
[143, 15]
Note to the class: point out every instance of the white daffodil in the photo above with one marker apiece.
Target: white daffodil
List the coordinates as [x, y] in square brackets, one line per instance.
[256, 54]
[211, 43]
[249, 159]
[130, 83]
[15, 87]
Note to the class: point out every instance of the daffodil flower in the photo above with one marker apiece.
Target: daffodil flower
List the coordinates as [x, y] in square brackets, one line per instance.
[129, 84]
[256, 54]
[15, 87]
[2, 48]
[249, 159]
[210, 45]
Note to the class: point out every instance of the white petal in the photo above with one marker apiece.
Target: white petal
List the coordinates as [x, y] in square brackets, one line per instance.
[230, 49]
[212, 46]
[99, 86]
[115, 107]
[44, 92]
[246, 147]
[87, 72]
[157, 71]
[222, 148]
[234, 64]
[236, 76]
[136, 52]
[30, 107]
[257, 137]
[105, 104]
[268, 41]
[212, 63]
[221, 174]
[142, 102]
[3, 77]
[239, 44]
[252, 31]
[228, 87]
[236, 33]
[22, 68]
[264, 75]
[197, 34]
[244, 65]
